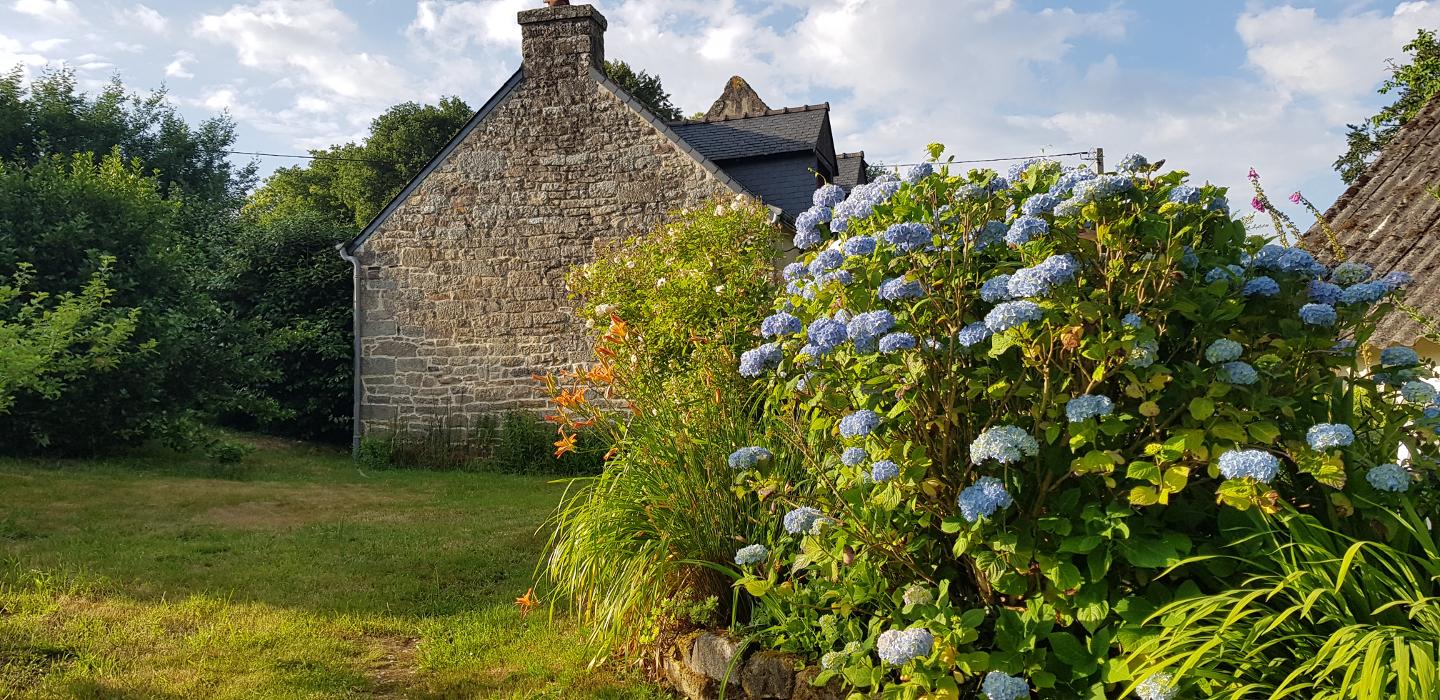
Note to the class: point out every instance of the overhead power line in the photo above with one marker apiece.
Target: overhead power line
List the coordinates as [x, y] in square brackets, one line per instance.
[1090, 153]
[312, 157]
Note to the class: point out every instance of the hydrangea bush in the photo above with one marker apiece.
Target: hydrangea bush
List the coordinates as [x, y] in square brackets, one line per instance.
[1020, 398]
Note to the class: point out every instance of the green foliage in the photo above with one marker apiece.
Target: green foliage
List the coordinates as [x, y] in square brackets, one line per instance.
[516, 442]
[643, 87]
[1413, 83]
[1054, 584]
[46, 343]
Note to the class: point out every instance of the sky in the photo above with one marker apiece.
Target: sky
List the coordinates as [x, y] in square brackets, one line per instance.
[1214, 87]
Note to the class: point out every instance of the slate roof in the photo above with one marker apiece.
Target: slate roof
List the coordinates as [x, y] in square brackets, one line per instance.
[774, 132]
[1387, 219]
[850, 169]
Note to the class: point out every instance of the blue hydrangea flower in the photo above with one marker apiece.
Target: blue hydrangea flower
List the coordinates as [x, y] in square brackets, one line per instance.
[1038, 204]
[838, 276]
[1003, 686]
[998, 184]
[1237, 372]
[751, 555]
[1389, 477]
[1255, 464]
[867, 327]
[996, 289]
[797, 286]
[749, 457]
[860, 245]
[828, 196]
[780, 323]
[804, 521]
[900, 288]
[1416, 391]
[853, 456]
[826, 334]
[908, 236]
[973, 334]
[1132, 163]
[807, 227]
[983, 498]
[1323, 292]
[1223, 350]
[989, 234]
[1037, 281]
[1143, 354]
[1398, 356]
[1395, 280]
[1026, 228]
[1324, 436]
[1318, 314]
[1006, 444]
[1087, 406]
[1069, 208]
[1011, 314]
[1068, 179]
[755, 362]
[1160, 686]
[1261, 286]
[883, 471]
[794, 271]
[970, 192]
[826, 260]
[919, 172]
[1300, 262]
[896, 342]
[1132, 321]
[1020, 168]
[1363, 293]
[859, 424]
[900, 646]
[1350, 273]
[1185, 194]
[1189, 260]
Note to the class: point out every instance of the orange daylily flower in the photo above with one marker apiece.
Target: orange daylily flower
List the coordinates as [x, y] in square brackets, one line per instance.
[566, 443]
[527, 602]
[602, 373]
[570, 398]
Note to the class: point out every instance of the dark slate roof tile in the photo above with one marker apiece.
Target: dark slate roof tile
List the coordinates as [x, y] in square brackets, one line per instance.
[851, 168]
[774, 132]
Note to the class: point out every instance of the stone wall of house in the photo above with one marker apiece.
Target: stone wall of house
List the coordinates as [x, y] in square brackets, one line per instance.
[461, 289]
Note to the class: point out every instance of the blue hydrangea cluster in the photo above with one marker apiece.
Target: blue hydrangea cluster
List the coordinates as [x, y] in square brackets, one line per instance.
[1254, 464]
[1389, 477]
[825, 261]
[1132, 321]
[862, 201]
[751, 555]
[1350, 273]
[755, 362]
[860, 245]
[1278, 258]
[1399, 356]
[883, 471]
[1087, 406]
[828, 196]
[1324, 436]
[1037, 281]
[793, 271]
[1018, 169]
[1003, 686]
[1011, 314]
[1101, 187]
[1318, 314]
[804, 521]
[1133, 162]
[908, 236]
[807, 227]
[853, 456]
[991, 233]
[996, 289]
[1071, 177]
[749, 457]
[826, 334]
[780, 323]
[899, 288]
[895, 342]
[1143, 354]
[900, 646]
[1006, 444]
[1223, 350]
[971, 192]
[982, 498]
[1160, 686]
[973, 334]
[859, 424]
[1262, 286]
[1220, 204]
[865, 328]
[1417, 392]
[919, 172]
[1227, 273]
[1396, 279]
[1038, 204]
[1363, 293]
[1025, 228]
[1322, 292]
[1185, 194]
[1237, 372]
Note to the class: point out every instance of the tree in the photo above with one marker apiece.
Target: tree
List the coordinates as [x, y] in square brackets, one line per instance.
[1413, 83]
[644, 87]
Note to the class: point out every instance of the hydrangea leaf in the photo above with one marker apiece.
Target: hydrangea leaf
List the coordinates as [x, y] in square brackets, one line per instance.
[1201, 408]
[1226, 430]
[1263, 432]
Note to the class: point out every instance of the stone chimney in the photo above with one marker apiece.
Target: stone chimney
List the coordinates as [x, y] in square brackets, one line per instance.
[738, 100]
[562, 41]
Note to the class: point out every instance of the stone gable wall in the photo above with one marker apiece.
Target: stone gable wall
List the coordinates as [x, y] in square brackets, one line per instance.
[461, 290]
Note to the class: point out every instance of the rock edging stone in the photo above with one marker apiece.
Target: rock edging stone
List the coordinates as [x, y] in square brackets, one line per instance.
[697, 664]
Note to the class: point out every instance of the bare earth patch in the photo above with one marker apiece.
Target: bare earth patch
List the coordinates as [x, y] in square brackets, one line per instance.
[394, 668]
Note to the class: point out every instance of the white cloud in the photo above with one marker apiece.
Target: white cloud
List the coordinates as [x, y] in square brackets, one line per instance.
[178, 68]
[13, 53]
[144, 17]
[457, 25]
[45, 45]
[58, 11]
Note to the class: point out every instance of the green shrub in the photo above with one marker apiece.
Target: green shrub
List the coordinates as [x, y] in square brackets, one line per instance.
[1052, 387]
[376, 451]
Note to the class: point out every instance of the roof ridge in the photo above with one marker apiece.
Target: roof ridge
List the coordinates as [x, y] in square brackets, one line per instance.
[766, 113]
[853, 154]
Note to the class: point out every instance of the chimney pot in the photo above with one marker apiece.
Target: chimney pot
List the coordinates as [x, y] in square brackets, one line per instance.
[557, 3]
[562, 41]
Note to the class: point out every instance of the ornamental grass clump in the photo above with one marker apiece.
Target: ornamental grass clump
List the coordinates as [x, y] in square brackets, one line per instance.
[1106, 373]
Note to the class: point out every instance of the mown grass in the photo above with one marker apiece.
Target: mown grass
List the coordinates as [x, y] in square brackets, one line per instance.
[295, 575]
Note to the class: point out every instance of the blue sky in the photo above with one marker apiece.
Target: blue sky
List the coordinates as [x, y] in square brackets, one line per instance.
[1215, 87]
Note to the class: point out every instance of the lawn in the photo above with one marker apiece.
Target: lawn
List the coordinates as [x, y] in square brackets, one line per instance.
[295, 575]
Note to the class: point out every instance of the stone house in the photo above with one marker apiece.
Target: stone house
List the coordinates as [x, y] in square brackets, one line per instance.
[459, 281]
